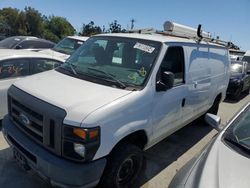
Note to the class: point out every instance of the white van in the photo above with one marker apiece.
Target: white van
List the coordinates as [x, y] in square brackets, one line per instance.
[89, 120]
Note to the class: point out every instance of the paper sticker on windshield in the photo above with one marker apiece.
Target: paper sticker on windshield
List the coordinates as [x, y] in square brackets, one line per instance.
[144, 47]
[79, 42]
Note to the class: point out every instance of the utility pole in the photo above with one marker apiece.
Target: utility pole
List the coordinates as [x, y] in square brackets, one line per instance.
[132, 23]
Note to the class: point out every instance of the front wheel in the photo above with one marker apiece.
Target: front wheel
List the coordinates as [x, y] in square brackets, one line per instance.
[123, 167]
[236, 95]
[247, 90]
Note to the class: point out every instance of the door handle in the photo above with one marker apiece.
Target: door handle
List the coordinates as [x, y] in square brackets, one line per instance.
[183, 102]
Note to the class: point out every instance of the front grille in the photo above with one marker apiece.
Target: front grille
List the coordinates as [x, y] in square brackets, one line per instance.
[35, 128]
[43, 121]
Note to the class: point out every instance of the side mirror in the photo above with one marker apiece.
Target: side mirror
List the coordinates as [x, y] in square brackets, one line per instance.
[214, 121]
[18, 47]
[166, 82]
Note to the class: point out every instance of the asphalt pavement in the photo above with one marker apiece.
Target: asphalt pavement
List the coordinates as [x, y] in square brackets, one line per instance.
[162, 161]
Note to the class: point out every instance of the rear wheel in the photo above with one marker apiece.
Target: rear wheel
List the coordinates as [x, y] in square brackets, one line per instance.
[213, 110]
[123, 167]
[215, 107]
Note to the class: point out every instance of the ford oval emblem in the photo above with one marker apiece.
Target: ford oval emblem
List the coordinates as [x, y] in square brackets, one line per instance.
[24, 119]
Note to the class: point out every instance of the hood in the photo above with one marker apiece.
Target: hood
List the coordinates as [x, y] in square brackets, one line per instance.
[54, 53]
[220, 167]
[77, 97]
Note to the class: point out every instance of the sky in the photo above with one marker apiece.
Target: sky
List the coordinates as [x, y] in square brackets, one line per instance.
[228, 19]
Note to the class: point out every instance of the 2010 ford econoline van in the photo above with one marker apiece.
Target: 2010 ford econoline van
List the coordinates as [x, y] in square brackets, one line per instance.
[118, 94]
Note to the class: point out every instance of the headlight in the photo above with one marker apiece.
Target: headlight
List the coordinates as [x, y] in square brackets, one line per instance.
[80, 144]
[80, 149]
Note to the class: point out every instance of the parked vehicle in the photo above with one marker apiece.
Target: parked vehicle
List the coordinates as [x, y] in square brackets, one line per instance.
[64, 48]
[239, 80]
[236, 55]
[119, 94]
[246, 56]
[2, 36]
[15, 64]
[224, 163]
[25, 42]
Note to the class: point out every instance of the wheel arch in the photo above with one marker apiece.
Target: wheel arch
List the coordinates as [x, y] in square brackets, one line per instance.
[138, 138]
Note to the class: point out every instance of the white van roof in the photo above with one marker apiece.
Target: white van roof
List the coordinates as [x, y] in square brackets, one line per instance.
[157, 37]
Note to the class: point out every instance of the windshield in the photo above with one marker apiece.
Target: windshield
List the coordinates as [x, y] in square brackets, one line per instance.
[124, 61]
[10, 42]
[236, 68]
[238, 134]
[67, 45]
[241, 130]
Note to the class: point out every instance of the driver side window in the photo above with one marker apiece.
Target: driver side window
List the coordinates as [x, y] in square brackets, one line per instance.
[174, 62]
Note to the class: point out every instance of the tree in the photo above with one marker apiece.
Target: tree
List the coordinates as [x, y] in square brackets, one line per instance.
[21, 24]
[9, 18]
[114, 27]
[31, 22]
[34, 21]
[56, 28]
[90, 29]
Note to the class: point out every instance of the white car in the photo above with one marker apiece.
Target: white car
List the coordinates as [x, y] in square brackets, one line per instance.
[89, 120]
[15, 64]
[64, 48]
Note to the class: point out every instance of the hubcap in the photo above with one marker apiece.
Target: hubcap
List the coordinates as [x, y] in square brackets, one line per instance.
[127, 170]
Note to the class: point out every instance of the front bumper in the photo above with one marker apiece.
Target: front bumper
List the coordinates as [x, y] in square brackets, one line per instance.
[56, 170]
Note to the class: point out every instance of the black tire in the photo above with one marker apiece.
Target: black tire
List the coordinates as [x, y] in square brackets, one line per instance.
[247, 90]
[215, 107]
[236, 95]
[213, 110]
[123, 167]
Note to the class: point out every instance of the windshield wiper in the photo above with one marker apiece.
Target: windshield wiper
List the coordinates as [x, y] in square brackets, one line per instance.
[121, 85]
[71, 67]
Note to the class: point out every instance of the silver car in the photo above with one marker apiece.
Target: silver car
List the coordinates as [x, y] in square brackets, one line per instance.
[225, 162]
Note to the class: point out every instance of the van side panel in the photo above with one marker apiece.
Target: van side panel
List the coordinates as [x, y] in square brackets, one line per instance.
[198, 78]
[220, 69]
[207, 75]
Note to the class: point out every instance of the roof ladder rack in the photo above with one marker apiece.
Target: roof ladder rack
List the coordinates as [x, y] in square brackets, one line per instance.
[176, 29]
